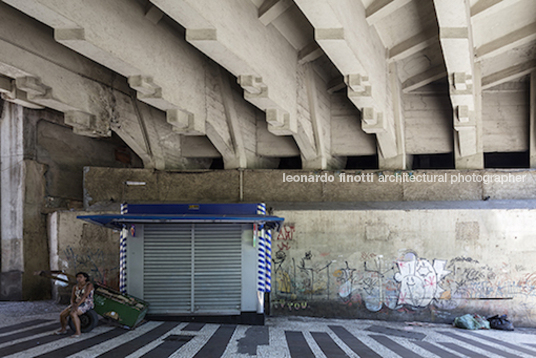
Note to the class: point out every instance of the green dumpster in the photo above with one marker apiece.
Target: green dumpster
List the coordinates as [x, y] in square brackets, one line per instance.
[124, 309]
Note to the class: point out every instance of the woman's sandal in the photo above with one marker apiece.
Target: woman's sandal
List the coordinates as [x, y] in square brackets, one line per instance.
[75, 336]
[59, 333]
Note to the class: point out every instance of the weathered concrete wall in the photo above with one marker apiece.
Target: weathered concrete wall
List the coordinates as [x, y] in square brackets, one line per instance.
[78, 246]
[12, 187]
[34, 234]
[505, 115]
[41, 170]
[48, 141]
[106, 187]
[406, 264]
[389, 247]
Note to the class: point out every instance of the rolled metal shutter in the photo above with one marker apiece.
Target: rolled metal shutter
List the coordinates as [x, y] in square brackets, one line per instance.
[193, 268]
[217, 268]
[167, 278]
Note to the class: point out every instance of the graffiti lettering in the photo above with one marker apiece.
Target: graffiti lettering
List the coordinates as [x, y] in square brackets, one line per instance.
[286, 233]
[290, 305]
[283, 246]
[90, 261]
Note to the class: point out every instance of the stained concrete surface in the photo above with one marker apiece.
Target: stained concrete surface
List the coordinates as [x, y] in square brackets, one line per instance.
[287, 337]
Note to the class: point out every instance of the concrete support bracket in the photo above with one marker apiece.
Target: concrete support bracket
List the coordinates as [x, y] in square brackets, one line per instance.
[32, 86]
[144, 85]
[280, 122]
[357, 82]
[251, 84]
[372, 122]
[184, 122]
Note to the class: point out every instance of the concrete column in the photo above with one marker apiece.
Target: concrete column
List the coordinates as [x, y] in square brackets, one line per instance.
[532, 125]
[23, 228]
[12, 198]
[463, 137]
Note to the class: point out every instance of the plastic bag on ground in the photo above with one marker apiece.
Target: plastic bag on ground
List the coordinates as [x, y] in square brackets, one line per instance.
[500, 322]
[471, 321]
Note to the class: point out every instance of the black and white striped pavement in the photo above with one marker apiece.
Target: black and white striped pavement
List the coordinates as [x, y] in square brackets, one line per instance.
[296, 337]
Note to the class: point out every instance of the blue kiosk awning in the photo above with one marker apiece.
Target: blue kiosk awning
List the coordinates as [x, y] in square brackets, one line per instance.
[184, 213]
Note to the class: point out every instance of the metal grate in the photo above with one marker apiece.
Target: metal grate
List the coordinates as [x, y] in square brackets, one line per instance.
[193, 268]
[167, 268]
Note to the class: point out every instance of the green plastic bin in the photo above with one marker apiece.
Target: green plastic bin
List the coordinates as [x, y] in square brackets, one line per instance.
[124, 309]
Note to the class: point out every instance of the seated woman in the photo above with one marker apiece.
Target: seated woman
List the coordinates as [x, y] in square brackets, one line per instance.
[81, 302]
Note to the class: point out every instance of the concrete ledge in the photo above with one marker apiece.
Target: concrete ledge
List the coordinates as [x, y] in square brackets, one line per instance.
[105, 186]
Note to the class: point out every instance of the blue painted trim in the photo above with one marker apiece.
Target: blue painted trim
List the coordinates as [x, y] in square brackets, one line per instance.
[195, 209]
[116, 221]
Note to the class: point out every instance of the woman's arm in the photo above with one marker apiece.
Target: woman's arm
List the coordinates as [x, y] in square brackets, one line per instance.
[88, 289]
[73, 296]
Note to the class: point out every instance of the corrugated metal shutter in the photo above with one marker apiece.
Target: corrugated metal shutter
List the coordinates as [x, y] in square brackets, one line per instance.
[167, 268]
[218, 268]
[193, 268]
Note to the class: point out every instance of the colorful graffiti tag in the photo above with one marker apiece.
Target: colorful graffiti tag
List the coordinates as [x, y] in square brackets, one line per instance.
[419, 280]
[368, 283]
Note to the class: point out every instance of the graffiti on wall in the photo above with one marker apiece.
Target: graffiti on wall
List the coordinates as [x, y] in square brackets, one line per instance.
[419, 280]
[92, 261]
[284, 238]
[408, 283]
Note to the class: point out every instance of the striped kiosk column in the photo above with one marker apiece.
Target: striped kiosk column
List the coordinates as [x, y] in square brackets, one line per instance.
[261, 267]
[261, 258]
[268, 255]
[123, 260]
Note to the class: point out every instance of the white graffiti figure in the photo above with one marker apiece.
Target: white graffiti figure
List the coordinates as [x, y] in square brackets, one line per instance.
[419, 280]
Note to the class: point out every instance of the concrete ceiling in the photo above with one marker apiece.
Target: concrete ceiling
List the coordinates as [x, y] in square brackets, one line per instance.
[253, 81]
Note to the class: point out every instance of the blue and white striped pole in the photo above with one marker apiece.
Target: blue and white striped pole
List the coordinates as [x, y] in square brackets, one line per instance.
[268, 254]
[261, 268]
[261, 258]
[123, 260]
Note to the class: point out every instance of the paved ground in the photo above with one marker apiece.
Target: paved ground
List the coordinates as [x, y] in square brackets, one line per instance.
[26, 330]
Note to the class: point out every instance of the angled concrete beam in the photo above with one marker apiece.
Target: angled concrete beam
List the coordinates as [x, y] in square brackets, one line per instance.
[118, 35]
[321, 152]
[455, 34]
[468, 144]
[380, 9]
[400, 160]
[272, 9]
[508, 74]
[306, 145]
[512, 40]
[237, 159]
[422, 79]
[50, 85]
[488, 7]
[413, 45]
[356, 50]
[56, 77]
[263, 61]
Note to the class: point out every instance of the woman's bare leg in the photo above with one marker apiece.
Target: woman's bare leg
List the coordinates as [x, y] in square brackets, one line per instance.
[76, 321]
[63, 319]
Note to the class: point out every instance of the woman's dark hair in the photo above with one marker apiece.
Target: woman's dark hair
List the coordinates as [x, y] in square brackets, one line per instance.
[83, 274]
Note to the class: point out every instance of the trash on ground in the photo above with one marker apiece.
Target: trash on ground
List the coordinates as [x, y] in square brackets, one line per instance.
[501, 322]
[471, 321]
